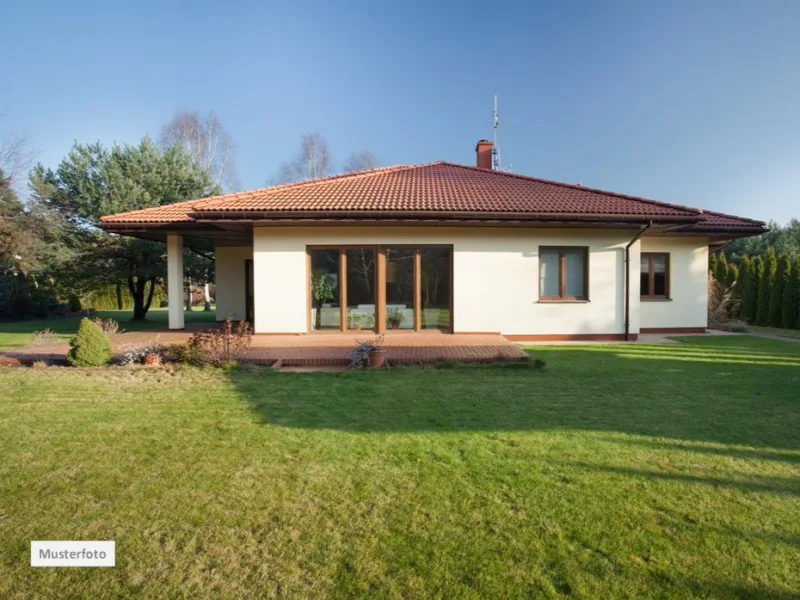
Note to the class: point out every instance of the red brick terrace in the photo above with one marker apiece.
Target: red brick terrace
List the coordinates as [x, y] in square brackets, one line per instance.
[324, 349]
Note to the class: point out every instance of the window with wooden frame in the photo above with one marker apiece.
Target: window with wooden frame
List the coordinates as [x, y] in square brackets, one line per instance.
[564, 273]
[655, 276]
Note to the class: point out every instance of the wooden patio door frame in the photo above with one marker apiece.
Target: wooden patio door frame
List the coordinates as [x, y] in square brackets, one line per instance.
[380, 284]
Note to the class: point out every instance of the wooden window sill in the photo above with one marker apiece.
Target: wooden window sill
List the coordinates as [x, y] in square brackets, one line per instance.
[648, 299]
[557, 301]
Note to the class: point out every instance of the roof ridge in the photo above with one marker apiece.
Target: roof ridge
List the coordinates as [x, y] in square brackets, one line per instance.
[575, 186]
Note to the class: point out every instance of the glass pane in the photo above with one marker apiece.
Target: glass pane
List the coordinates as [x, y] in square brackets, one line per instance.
[549, 272]
[361, 296]
[325, 312]
[399, 288]
[574, 287]
[435, 283]
[660, 275]
[644, 286]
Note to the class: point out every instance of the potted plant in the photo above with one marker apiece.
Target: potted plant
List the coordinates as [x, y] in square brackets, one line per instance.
[395, 317]
[369, 323]
[354, 320]
[377, 354]
[322, 290]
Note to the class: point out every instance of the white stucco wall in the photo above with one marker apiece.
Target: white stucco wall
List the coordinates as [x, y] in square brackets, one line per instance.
[688, 303]
[230, 273]
[495, 276]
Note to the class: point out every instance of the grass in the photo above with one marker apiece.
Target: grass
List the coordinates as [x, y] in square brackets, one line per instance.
[661, 471]
[790, 333]
[17, 334]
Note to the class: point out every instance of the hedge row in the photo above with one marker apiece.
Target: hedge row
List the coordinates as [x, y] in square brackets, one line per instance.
[767, 290]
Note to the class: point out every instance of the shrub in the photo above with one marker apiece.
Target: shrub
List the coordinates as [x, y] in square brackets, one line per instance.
[755, 284]
[733, 283]
[359, 355]
[109, 327]
[765, 283]
[74, 303]
[720, 303]
[782, 275]
[45, 337]
[40, 364]
[224, 345]
[746, 277]
[187, 354]
[712, 263]
[90, 347]
[721, 273]
[134, 355]
[790, 311]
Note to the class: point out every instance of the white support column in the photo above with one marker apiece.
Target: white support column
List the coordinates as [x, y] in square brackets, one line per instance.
[175, 280]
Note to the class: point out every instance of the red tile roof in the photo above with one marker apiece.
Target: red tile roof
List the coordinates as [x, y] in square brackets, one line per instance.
[434, 189]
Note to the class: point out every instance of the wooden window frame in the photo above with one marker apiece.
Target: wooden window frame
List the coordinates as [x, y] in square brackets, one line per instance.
[380, 283]
[651, 276]
[562, 274]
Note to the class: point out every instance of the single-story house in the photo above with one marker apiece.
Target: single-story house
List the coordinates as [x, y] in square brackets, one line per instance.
[447, 247]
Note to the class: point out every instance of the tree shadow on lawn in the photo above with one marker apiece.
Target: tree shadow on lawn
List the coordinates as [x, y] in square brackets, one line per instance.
[717, 394]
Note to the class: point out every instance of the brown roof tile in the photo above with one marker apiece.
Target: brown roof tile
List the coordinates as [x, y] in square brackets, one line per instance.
[439, 187]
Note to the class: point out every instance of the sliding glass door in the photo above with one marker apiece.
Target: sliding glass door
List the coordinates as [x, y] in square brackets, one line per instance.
[361, 287]
[385, 288]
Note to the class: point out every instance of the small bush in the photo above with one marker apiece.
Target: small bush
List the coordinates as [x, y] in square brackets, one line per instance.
[40, 364]
[90, 347]
[720, 303]
[225, 345]
[359, 355]
[74, 303]
[134, 355]
[109, 327]
[45, 337]
[186, 354]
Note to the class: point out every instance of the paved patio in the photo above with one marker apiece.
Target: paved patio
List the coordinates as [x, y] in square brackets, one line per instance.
[318, 349]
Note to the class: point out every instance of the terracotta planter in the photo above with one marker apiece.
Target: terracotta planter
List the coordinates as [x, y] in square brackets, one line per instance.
[395, 325]
[356, 326]
[151, 359]
[377, 358]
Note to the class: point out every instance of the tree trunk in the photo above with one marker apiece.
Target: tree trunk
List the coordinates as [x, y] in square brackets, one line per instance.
[120, 304]
[137, 288]
[207, 302]
[188, 294]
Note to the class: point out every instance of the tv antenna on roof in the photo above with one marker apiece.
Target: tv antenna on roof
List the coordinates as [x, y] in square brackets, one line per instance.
[496, 147]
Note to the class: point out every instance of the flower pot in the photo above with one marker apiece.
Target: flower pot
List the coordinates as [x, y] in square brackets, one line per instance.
[151, 359]
[356, 326]
[395, 325]
[377, 358]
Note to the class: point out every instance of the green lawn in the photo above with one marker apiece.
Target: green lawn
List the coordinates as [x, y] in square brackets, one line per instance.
[668, 471]
[790, 333]
[17, 334]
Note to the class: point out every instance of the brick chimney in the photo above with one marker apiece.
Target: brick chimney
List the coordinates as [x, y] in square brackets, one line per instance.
[484, 154]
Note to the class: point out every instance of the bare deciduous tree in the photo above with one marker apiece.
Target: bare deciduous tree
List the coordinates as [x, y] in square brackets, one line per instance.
[207, 142]
[16, 157]
[360, 161]
[312, 160]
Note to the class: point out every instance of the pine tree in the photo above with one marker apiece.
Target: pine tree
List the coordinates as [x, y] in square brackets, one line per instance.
[765, 284]
[712, 263]
[755, 284]
[746, 277]
[721, 274]
[790, 314]
[782, 275]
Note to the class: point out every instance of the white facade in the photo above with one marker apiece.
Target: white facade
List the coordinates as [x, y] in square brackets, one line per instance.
[230, 271]
[495, 278]
[688, 302]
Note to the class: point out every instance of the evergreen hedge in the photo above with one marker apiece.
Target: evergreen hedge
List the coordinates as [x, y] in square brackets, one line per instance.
[765, 283]
[89, 347]
[790, 310]
[746, 278]
[782, 274]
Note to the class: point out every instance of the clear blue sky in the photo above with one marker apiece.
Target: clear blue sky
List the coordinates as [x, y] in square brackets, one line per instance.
[689, 102]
